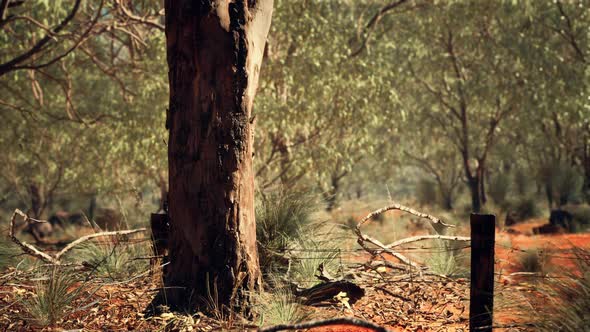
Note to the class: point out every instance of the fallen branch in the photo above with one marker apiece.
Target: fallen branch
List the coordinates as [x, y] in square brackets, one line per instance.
[427, 237]
[95, 235]
[363, 238]
[27, 248]
[396, 206]
[382, 248]
[55, 260]
[325, 322]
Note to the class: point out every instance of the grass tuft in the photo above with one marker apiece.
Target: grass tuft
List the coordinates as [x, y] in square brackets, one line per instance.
[279, 307]
[567, 304]
[113, 260]
[280, 218]
[448, 260]
[52, 299]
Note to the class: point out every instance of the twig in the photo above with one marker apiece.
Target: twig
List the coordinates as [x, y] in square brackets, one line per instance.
[325, 322]
[392, 294]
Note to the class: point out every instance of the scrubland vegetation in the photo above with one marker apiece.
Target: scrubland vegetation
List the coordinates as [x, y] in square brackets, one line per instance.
[448, 107]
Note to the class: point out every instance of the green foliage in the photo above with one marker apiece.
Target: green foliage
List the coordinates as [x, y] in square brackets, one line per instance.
[9, 253]
[563, 183]
[311, 251]
[522, 182]
[580, 217]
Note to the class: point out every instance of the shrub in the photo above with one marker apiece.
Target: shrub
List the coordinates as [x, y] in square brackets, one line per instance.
[498, 188]
[522, 182]
[564, 183]
[8, 253]
[380, 218]
[351, 222]
[536, 261]
[523, 208]
[448, 260]
[426, 192]
[580, 217]
[312, 251]
[279, 306]
[280, 218]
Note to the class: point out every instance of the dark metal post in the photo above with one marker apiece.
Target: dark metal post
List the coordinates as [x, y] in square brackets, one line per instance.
[483, 234]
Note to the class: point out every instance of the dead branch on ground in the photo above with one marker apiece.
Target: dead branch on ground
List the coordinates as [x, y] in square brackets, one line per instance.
[55, 259]
[397, 206]
[363, 239]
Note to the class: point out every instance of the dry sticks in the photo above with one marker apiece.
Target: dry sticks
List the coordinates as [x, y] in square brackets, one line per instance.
[364, 239]
[55, 259]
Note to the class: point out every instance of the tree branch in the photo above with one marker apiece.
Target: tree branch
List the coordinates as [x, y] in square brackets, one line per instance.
[10, 65]
[370, 27]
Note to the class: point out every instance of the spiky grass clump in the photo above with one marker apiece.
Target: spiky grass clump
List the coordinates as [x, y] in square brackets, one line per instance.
[311, 251]
[114, 260]
[53, 298]
[567, 305]
[280, 218]
[279, 306]
[448, 260]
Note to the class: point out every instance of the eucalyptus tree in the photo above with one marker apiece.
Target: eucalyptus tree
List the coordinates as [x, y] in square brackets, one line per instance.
[554, 52]
[214, 52]
[74, 107]
[320, 113]
[468, 80]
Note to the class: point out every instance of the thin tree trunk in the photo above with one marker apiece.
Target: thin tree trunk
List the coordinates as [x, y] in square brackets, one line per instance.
[482, 189]
[36, 200]
[215, 50]
[447, 196]
[474, 189]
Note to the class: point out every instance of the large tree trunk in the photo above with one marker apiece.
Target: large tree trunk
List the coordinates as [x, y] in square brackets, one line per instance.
[215, 52]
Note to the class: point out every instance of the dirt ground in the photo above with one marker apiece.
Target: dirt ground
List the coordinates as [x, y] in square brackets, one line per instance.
[399, 300]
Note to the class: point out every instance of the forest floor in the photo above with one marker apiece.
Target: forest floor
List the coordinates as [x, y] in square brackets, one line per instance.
[395, 299]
